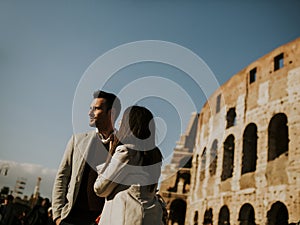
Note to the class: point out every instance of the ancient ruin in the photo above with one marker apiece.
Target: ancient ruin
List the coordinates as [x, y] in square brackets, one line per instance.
[241, 153]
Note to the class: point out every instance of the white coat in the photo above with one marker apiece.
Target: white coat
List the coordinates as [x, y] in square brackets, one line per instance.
[126, 186]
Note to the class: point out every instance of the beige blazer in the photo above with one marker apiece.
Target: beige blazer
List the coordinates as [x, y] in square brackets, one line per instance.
[136, 205]
[69, 174]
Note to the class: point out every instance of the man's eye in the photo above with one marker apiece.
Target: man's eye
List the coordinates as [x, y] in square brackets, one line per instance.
[95, 108]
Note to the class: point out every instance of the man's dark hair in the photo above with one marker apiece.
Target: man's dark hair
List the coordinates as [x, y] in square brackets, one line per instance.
[111, 100]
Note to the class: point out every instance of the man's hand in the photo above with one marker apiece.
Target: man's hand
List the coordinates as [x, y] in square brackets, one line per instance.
[57, 221]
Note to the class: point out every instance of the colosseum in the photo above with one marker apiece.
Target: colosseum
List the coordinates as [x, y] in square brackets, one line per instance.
[239, 160]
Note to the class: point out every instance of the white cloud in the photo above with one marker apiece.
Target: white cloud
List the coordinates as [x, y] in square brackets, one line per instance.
[29, 173]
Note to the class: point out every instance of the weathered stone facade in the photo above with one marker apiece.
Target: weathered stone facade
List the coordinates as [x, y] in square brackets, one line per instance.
[177, 175]
[246, 158]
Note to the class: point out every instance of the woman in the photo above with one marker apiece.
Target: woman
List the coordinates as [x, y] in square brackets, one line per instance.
[129, 177]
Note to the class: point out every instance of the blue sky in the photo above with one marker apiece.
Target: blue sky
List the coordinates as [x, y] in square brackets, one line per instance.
[47, 46]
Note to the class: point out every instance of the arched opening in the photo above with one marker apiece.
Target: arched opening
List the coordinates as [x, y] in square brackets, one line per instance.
[184, 178]
[278, 214]
[213, 158]
[224, 216]
[196, 216]
[208, 217]
[249, 149]
[203, 164]
[228, 158]
[278, 137]
[230, 117]
[247, 215]
[177, 212]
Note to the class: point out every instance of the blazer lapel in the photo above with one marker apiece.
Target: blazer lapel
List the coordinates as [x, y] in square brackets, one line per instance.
[91, 150]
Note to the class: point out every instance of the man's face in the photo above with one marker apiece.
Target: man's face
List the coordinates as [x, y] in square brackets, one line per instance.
[100, 117]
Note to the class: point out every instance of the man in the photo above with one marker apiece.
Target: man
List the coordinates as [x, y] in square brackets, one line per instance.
[73, 200]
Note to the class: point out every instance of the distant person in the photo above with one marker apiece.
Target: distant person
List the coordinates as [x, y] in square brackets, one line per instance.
[74, 201]
[7, 210]
[38, 215]
[130, 175]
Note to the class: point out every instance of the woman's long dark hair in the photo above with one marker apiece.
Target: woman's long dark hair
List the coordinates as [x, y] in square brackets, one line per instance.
[138, 128]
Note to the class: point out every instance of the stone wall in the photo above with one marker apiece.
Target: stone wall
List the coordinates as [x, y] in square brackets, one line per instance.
[273, 95]
[246, 158]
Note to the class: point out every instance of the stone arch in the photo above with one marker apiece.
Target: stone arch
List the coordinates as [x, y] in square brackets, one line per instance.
[182, 176]
[278, 214]
[278, 137]
[247, 215]
[213, 158]
[183, 179]
[196, 217]
[224, 216]
[208, 217]
[177, 211]
[228, 158]
[249, 148]
[203, 164]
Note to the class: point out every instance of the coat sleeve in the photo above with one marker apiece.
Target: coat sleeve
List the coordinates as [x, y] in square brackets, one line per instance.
[62, 180]
[115, 172]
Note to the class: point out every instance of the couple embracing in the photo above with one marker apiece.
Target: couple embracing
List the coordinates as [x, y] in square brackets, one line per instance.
[110, 173]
